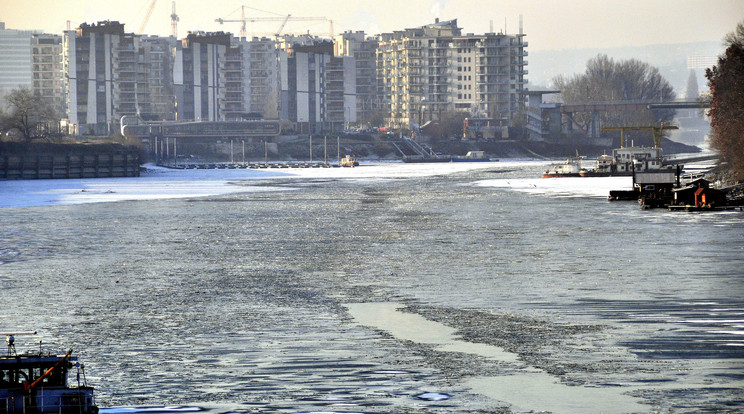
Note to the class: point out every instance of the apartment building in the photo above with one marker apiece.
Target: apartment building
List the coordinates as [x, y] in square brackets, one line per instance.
[112, 74]
[15, 59]
[318, 89]
[34, 60]
[363, 49]
[48, 70]
[196, 75]
[222, 78]
[427, 71]
[262, 77]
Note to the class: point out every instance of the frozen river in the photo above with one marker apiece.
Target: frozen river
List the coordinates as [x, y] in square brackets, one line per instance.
[388, 288]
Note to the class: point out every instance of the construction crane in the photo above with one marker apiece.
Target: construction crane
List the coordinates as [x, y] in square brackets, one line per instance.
[283, 19]
[147, 17]
[174, 21]
[658, 131]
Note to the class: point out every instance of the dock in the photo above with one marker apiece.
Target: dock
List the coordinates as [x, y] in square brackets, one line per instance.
[235, 166]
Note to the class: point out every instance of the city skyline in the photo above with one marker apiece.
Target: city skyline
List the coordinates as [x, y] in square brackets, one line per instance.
[570, 24]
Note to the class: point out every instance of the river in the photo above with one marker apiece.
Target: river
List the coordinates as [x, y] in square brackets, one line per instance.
[385, 289]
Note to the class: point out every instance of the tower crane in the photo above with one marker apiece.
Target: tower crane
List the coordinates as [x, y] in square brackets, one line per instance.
[283, 19]
[174, 21]
[147, 17]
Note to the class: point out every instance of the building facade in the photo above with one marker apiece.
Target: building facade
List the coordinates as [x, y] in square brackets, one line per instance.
[363, 49]
[219, 77]
[111, 74]
[48, 70]
[318, 89]
[425, 72]
[15, 59]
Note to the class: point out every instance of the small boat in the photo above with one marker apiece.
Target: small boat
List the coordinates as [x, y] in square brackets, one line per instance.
[472, 156]
[569, 168]
[37, 383]
[349, 161]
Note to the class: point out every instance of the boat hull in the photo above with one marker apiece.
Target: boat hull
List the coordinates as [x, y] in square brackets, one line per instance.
[560, 175]
[471, 159]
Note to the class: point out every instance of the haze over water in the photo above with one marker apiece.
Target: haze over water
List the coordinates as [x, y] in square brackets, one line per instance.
[250, 301]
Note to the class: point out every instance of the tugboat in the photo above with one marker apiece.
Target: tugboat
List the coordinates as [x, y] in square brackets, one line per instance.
[569, 168]
[349, 161]
[37, 383]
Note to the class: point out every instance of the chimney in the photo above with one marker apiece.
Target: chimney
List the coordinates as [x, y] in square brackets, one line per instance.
[436, 20]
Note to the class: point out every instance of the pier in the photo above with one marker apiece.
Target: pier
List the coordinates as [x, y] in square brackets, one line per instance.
[262, 165]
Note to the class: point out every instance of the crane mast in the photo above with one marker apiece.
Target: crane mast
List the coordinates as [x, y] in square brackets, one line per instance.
[174, 21]
[147, 17]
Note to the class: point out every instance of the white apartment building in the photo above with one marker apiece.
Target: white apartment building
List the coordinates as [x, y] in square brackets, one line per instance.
[427, 71]
[48, 70]
[363, 49]
[15, 59]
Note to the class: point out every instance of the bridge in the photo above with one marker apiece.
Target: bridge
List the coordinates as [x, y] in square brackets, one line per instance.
[594, 108]
[203, 131]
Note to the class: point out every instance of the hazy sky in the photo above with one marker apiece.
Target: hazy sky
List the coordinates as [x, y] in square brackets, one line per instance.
[548, 24]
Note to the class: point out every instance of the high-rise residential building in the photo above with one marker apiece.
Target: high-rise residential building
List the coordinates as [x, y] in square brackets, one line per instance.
[48, 71]
[15, 59]
[262, 76]
[363, 49]
[197, 75]
[34, 60]
[113, 74]
[222, 78]
[427, 71]
[155, 90]
[318, 90]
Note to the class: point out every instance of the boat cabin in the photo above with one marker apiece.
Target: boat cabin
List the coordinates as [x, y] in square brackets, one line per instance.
[698, 193]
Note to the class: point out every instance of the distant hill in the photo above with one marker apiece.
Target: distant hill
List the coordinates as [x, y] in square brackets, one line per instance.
[670, 59]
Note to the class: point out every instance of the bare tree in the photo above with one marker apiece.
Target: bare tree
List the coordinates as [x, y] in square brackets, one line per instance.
[29, 114]
[607, 80]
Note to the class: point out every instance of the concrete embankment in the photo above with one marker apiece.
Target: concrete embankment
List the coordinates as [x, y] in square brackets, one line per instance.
[68, 161]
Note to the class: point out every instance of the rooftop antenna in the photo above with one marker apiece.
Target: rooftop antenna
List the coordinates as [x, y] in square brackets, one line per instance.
[491, 22]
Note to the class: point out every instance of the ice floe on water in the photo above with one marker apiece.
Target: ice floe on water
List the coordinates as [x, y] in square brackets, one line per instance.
[164, 183]
[564, 186]
[150, 410]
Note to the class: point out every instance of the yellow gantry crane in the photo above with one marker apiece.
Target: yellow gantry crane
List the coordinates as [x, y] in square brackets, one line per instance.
[280, 18]
[657, 130]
